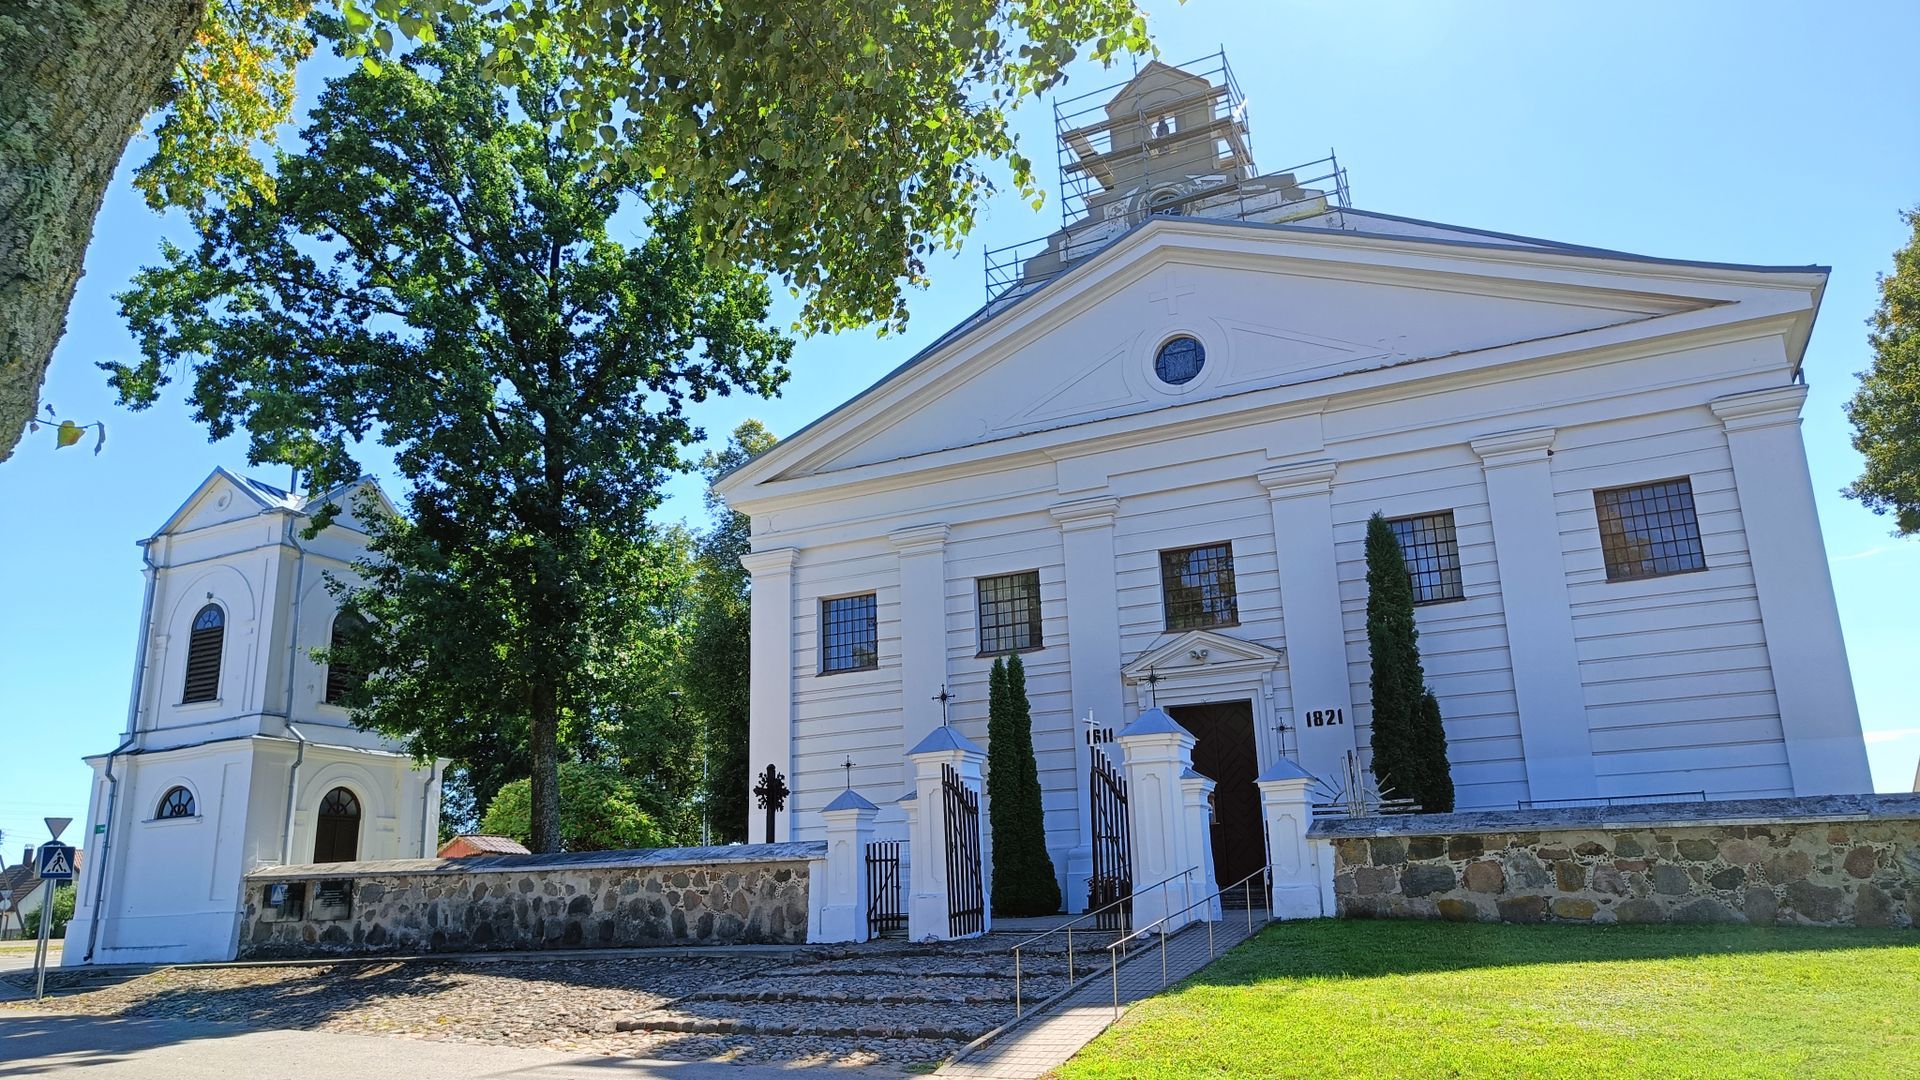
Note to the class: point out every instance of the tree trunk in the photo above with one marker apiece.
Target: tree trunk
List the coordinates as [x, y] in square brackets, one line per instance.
[78, 77]
[545, 736]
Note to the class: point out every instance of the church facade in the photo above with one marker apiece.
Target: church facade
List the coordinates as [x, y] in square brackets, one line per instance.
[1146, 467]
[236, 754]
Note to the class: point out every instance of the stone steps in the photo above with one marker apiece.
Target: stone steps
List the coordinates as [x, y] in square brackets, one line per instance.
[923, 1021]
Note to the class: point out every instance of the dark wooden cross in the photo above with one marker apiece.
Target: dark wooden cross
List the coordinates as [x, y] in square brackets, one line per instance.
[943, 697]
[771, 793]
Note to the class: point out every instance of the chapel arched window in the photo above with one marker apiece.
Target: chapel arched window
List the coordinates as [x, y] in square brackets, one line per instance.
[336, 834]
[176, 803]
[342, 678]
[203, 656]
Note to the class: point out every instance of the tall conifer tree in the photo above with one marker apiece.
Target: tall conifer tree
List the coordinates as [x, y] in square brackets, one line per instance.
[1409, 741]
[1023, 881]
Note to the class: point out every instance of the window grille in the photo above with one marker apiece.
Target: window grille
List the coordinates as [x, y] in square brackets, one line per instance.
[176, 803]
[1197, 587]
[203, 656]
[1649, 530]
[849, 634]
[342, 679]
[1179, 361]
[1009, 612]
[1432, 554]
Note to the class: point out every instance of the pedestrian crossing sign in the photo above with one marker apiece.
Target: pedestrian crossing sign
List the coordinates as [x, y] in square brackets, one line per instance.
[56, 862]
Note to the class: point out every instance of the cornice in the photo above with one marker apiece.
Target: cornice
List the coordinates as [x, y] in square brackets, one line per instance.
[770, 561]
[1514, 447]
[1771, 407]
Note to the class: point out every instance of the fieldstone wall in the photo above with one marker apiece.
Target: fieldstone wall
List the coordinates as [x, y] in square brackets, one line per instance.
[1829, 861]
[760, 893]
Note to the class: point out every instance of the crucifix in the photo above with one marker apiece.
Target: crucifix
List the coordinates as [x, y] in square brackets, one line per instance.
[943, 697]
[1170, 293]
[771, 793]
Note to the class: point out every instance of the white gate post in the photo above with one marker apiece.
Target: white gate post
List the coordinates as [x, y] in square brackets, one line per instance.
[927, 898]
[1158, 753]
[1196, 792]
[1302, 873]
[849, 827]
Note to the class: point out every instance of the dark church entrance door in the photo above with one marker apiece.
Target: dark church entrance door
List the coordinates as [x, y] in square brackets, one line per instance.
[1223, 751]
[336, 834]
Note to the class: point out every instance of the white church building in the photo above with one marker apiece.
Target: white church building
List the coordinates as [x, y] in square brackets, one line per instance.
[236, 754]
[1147, 464]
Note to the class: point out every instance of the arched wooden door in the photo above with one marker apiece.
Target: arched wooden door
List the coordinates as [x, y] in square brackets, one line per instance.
[336, 835]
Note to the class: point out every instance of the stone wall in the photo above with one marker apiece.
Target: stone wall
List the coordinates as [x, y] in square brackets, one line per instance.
[1827, 861]
[757, 893]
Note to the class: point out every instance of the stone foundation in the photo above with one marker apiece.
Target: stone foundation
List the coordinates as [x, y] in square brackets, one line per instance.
[1827, 861]
[760, 893]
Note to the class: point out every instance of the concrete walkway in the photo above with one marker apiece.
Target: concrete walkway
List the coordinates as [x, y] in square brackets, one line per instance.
[1046, 1038]
[35, 1044]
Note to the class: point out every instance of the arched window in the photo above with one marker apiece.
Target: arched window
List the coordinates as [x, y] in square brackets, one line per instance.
[203, 656]
[336, 836]
[342, 679]
[177, 802]
[1165, 202]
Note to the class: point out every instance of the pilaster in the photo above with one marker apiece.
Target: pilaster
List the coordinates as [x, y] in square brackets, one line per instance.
[922, 553]
[1093, 659]
[1533, 591]
[1301, 499]
[1819, 716]
[770, 682]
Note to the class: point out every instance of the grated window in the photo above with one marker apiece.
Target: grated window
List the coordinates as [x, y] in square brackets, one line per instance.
[1197, 587]
[1009, 612]
[1432, 554]
[849, 634]
[1649, 530]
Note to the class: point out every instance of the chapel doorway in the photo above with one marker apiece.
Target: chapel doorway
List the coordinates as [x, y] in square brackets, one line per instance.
[1223, 751]
[336, 833]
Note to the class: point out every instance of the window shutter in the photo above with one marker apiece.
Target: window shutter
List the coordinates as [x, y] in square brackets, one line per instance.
[203, 656]
[342, 679]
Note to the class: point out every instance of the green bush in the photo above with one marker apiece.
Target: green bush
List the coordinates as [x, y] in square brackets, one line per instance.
[62, 914]
[599, 811]
[1023, 881]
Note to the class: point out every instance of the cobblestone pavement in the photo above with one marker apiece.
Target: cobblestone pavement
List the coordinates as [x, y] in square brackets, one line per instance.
[884, 1004]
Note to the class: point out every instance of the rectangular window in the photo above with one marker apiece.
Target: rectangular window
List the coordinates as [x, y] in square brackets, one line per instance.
[1196, 585]
[849, 634]
[1649, 530]
[1009, 612]
[1432, 554]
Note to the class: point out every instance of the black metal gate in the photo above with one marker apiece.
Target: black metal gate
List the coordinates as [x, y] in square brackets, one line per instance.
[1112, 844]
[966, 900]
[885, 912]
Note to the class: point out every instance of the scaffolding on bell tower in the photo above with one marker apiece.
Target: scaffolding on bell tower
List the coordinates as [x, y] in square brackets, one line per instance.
[1170, 140]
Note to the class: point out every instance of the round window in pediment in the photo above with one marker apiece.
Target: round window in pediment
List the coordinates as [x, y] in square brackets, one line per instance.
[1179, 360]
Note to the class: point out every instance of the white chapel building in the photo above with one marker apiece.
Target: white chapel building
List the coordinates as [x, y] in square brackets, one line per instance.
[1147, 464]
[235, 754]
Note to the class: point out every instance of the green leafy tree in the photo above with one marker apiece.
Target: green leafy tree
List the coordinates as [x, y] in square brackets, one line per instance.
[1023, 881]
[1886, 409]
[437, 271]
[836, 143]
[62, 914]
[600, 810]
[1409, 741]
[719, 645]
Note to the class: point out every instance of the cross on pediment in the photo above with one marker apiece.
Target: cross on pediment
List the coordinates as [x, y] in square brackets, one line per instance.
[1170, 293]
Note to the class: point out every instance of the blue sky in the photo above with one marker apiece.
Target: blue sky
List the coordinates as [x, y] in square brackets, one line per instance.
[1740, 132]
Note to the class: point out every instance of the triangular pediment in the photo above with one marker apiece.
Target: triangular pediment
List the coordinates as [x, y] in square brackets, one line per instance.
[1281, 314]
[1203, 650]
[222, 497]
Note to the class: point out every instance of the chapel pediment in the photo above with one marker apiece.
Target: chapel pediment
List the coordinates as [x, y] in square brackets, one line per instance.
[1203, 650]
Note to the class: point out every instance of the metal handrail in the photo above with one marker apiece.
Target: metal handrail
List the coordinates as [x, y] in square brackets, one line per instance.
[1245, 884]
[1067, 927]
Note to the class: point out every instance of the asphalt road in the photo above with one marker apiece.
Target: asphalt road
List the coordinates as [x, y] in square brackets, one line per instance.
[45, 1044]
[12, 959]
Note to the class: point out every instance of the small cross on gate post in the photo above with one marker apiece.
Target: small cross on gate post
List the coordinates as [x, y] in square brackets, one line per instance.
[943, 697]
[1152, 680]
[848, 765]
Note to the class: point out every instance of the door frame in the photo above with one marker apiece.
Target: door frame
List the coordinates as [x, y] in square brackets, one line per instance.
[1200, 667]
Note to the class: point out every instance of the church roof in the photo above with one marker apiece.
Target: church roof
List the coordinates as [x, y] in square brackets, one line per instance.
[268, 498]
[1344, 222]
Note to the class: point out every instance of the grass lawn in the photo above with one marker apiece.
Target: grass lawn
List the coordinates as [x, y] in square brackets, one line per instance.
[1427, 999]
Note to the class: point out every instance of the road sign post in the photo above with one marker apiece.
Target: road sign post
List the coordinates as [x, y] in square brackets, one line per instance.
[56, 865]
